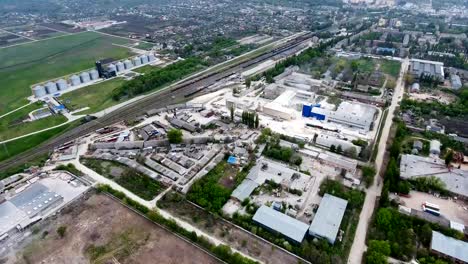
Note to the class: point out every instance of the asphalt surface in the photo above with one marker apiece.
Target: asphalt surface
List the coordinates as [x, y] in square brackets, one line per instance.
[182, 91]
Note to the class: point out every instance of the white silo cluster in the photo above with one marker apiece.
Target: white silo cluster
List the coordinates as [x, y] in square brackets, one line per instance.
[94, 74]
[128, 64]
[84, 77]
[136, 61]
[75, 80]
[144, 59]
[62, 85]
[51, 88]
[111, 67]
[120, 66]
[151, 57]
[39, 91]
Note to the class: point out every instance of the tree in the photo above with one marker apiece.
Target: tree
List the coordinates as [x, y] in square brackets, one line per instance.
[351, 152]
[248, 82]
[61, 231]
[232, 113]
[332, 148]
[257, 121]
[448, 158]
[339, 149]
[174, 136]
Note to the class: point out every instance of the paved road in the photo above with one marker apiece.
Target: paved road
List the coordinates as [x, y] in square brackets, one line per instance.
[359, 244]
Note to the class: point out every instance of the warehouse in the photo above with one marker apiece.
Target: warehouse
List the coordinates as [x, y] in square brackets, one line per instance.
[329, 140]
[281, 106]
[291, 228]
[327, 220]
[449, 247]
[350, 114]
[427, 68]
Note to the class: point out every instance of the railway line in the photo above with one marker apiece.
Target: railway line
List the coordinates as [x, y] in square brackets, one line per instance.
[185, 89]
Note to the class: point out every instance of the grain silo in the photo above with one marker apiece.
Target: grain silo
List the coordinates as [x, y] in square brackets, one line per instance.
[111, 67]
[75, 80]
[39, 91]
[120, 66]
[84, 76]
[128, 64]
[151, 57]
[62, 85]
[144, 59]
[51, 88]
[94, 74]
[136, 61]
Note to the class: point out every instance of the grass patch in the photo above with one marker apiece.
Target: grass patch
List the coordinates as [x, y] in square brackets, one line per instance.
[390, 67]
[129, 178]
[146, 69]
[70, 168]
[12, 125]
[39, 161]
[22, 66]
[15, 147]
[97, 97]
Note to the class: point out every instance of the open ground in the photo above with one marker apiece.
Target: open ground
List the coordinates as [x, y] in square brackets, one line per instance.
[97, 231]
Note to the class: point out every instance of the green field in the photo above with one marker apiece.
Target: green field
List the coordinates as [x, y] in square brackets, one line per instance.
[97, 97]
[390, 67]
[24, 65]
[11, 126]
[146, 69]
[15, 147]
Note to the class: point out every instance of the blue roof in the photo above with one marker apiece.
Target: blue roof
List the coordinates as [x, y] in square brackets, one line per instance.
[291, 228]
[232, 160]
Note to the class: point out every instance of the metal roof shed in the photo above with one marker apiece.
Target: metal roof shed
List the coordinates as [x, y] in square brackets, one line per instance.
[449, 247]
[328, 218]
[293, 229]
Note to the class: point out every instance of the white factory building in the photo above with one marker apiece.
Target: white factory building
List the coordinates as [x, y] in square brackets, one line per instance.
[354, 115]
[281, 107]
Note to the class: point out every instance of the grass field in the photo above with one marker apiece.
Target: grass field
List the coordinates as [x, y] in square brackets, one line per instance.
[97, 97]
[390, 67]
[11, 126]
[18, 146]
[146, 69]
[24, 65]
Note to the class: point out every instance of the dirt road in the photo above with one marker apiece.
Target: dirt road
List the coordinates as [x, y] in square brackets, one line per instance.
[359, 245]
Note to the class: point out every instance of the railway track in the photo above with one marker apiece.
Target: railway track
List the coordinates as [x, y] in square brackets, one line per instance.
[185, 89]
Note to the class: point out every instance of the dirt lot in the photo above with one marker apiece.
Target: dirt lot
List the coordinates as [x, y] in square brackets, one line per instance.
[226, 232]
[451, 209]
[101, 230]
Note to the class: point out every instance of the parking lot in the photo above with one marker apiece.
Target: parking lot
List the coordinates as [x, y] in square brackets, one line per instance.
[455, 210]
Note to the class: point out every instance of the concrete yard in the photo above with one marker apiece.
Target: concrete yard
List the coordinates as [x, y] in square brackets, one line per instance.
[455, 210]
[98, 232]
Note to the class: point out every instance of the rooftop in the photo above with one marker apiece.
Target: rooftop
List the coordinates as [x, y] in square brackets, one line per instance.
[328, 218]
[277, 221]
[449, 246]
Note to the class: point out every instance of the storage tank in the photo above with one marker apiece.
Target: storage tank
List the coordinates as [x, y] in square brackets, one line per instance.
[51, 88]
[111, 67]
[151, 57]
[136, 61]
[144, 59]
[128, 64]
[94, 74]
[39, 91]
[84, 76]
[62, 85]
[75, 80]
[120, 66]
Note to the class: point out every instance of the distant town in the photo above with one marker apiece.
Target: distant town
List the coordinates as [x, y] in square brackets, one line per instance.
[248, 132]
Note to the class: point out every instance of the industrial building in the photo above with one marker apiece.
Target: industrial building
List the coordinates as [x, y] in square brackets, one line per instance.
[449, 247]
[327, 220]
[456, 180]
[294, 230]
[268, 170]
[428, 68]
[329, 140]
[349, 114]
[281, 106]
